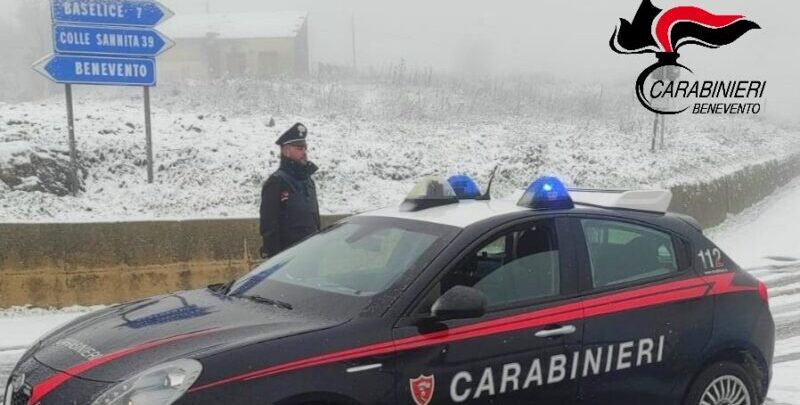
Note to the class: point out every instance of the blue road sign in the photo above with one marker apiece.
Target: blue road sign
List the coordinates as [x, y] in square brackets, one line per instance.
[79, 69]
[139, 13]
[109, 41]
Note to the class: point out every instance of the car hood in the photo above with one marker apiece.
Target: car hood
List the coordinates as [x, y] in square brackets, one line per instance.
[114, 343]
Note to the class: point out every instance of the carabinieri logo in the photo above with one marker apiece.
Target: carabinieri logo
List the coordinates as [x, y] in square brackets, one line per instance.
[663, 32]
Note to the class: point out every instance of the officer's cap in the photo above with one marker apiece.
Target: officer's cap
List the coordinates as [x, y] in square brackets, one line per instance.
[294, 135]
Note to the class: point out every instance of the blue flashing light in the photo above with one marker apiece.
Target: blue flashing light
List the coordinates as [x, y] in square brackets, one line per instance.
[464, 187]
[546, 193]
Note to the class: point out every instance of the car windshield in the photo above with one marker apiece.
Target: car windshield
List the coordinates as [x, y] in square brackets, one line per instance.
[358, 258]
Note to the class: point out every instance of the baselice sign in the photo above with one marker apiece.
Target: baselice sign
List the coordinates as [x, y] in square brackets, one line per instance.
[110, 12]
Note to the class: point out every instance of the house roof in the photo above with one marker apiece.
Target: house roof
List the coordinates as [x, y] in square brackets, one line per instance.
[279, 24]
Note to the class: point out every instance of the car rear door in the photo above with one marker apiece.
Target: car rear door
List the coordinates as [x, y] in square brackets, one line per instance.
[646, 315]
[520, 350]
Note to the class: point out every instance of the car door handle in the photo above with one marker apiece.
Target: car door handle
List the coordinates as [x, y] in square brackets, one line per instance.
[564, 330]
[367, 367]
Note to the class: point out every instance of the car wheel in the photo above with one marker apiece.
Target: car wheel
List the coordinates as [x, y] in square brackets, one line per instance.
[722, 383]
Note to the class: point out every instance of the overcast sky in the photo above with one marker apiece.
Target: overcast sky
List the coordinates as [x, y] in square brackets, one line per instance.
[563, 38]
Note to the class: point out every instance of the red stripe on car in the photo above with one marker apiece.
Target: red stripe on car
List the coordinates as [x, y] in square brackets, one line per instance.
[675, 291]
[48, 385]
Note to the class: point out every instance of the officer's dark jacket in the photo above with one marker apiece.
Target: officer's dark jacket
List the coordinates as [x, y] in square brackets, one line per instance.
[289, 208]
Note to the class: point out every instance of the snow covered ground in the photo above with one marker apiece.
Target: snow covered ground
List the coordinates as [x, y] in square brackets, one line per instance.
[763, 239]
[774, 259]
[20, 327]
[213, 145]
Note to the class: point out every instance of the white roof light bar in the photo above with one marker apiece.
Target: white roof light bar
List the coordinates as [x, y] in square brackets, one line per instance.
[642, 200]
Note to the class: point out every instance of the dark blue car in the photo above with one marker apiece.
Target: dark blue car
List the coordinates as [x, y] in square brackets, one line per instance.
[562, 297]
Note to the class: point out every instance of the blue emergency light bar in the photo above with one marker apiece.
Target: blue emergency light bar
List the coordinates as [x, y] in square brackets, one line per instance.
[546, 193]
[464, 187]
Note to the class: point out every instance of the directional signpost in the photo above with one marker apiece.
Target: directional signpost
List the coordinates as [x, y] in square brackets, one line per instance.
[80, 69]
[135, 13]
[109, 41]
[105, 42]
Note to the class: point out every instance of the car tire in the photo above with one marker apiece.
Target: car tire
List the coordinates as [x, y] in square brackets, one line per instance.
[722, 383]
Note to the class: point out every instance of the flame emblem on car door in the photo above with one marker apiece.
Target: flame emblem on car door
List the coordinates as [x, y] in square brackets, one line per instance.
[422, 389]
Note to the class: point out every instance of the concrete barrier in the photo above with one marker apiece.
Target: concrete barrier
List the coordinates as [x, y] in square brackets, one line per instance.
[710, 202]
[99, 263]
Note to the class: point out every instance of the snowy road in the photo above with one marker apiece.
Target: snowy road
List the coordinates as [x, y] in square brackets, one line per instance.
[764, 240]
[761, 239]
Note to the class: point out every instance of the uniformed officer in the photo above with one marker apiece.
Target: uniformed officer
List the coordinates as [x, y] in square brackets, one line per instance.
[289, 208]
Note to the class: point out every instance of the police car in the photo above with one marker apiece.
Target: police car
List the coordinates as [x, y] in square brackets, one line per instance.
[564, 297]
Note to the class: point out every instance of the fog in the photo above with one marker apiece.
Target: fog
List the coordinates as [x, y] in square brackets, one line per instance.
[564, 40]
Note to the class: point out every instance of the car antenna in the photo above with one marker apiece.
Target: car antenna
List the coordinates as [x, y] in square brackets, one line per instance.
[488, 194]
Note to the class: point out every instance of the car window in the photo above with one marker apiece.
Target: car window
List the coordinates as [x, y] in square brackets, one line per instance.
[621, 252]
[521, 265]
[360, 258]
[496, 248]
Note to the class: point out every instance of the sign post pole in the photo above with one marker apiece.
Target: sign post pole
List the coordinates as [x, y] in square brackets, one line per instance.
[148, 134]
[73, 153]
[655, 133]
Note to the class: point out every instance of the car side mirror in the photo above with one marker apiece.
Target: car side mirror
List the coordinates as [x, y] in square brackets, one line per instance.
[459, 302]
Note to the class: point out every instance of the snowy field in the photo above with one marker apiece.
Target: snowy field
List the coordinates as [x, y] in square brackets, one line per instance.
[774, 259]
[213, 144]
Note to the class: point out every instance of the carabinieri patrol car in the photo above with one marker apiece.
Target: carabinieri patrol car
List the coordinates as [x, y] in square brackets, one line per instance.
[564, 297]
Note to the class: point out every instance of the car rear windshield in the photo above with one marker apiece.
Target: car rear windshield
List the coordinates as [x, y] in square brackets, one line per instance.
[361, 257]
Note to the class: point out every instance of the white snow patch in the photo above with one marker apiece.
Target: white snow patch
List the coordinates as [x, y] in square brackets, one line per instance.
[784, 388]
[21, 326]
[14, 153]
[787, 346]
[28, 311]
[768, 229]
[28, 182]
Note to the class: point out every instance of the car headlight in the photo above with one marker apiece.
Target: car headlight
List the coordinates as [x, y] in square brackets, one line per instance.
[159, 385]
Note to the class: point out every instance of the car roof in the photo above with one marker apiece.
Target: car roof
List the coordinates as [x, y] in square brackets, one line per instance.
[461, 214]
[468, 212]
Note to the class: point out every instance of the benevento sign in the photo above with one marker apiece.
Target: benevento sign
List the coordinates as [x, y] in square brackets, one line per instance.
[81, 69]
[669, 87]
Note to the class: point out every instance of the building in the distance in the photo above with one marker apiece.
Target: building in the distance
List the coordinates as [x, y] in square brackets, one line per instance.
[254, 44]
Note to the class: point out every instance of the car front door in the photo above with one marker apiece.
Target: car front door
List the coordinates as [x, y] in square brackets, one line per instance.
[520, 350]
[646, 321]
